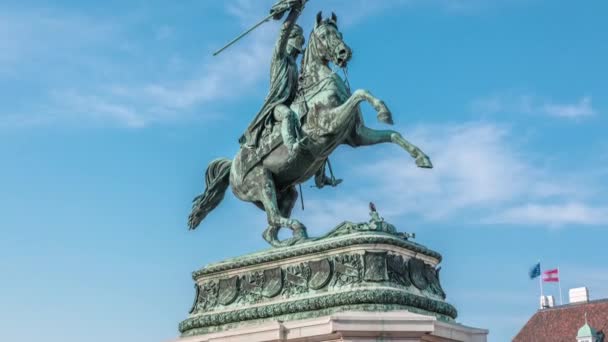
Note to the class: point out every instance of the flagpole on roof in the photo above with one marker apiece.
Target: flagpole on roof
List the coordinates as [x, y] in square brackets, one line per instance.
[540, 281]
[559, 283]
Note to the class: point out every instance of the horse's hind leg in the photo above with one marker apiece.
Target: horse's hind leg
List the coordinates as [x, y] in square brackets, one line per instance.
[287, 200]
[278, 218]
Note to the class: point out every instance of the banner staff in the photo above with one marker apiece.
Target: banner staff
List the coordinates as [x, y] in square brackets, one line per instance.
[244, 33]
[540, 281]
[559, 283]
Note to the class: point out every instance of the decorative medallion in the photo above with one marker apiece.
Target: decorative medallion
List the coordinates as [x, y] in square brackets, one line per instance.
[273, 282]
[398, 271]
[296, 279]
[251, 287]
[228, 290]
[375, 266]
[347, 269]
[207, 297]
[320, 273]
[417, 275]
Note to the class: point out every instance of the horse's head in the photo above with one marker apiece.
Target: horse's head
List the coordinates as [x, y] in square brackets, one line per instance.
[326, 41]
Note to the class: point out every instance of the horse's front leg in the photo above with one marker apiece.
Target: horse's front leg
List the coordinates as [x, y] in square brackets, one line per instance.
[383, 113]
[340, 114]
[364, 136]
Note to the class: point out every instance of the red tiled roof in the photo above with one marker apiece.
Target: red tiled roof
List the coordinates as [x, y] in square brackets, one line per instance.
[561, 323]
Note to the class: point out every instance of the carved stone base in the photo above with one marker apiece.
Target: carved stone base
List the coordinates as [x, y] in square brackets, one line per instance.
[372, 271]
[395, 326]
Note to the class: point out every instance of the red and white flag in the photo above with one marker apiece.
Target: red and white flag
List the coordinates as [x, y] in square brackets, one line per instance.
[551, 275]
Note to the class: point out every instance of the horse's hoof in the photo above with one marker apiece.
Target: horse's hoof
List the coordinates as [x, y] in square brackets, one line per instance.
[193, 221]
[271, 235]
[423, 161]
[299, 232]
[288, 242]
[386, 117]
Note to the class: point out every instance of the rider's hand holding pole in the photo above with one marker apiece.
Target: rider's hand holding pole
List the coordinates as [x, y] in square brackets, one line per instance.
[281, 7]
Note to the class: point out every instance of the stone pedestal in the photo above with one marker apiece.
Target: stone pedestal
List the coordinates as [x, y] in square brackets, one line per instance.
[360, 282]
[351, 326]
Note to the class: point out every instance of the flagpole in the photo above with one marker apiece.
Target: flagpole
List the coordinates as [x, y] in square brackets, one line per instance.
[559, 283]
[540, 282]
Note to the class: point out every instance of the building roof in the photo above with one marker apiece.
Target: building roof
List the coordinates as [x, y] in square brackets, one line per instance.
[561, 323]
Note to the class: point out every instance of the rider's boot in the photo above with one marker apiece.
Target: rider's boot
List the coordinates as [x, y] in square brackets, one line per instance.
[321, 180]
[289, 129]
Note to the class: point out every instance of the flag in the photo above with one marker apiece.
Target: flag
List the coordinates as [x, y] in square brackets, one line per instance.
[551, 276]
[535, 271]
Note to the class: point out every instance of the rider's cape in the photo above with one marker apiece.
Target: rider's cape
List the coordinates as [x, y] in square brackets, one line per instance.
[283, 87]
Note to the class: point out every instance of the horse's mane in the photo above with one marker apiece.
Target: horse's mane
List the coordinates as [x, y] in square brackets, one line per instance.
[310, 49]
[313, 43]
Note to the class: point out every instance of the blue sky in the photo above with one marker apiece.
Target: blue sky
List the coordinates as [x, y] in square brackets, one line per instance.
[110, 112]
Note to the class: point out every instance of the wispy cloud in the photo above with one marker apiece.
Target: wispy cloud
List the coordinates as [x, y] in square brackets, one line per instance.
[109, 84]
[34, 35]
[535, 105]
[481, 174]
[98, 108]
[8, 120]
[226, 77]
[581, 109]
[116, 79]
[553, 214]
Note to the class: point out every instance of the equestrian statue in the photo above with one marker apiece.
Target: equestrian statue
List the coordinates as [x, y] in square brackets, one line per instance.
[305, 117]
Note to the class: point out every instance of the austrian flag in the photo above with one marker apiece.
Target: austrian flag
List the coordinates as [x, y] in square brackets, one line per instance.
[551, 275]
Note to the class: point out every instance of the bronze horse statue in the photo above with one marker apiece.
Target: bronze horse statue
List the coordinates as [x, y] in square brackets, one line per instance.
[330, 116]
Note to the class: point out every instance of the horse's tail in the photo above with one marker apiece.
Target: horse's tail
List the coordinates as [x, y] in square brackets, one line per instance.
[217, 179]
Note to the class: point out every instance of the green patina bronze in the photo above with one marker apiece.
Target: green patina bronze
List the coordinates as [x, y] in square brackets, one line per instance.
[305, 117]
[375, 231]
[357, 266]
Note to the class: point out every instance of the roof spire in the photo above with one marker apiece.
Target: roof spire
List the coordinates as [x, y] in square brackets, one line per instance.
[586, 332]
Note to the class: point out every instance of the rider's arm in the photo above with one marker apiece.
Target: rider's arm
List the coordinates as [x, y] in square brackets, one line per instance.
[292, 17]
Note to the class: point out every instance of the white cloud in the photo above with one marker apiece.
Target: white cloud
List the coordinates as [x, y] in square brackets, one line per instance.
[17, 120]
[474, 167]
[53, 46]
[99, 109]
[581, 109]
[227, 76]
[56, 45]
[535, 105]
[480, 175]
[33, 35]
[553, 215]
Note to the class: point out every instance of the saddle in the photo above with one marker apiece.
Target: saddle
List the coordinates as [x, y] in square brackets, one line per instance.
[268, 142]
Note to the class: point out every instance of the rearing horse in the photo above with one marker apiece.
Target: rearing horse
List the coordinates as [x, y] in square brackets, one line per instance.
[330, 117]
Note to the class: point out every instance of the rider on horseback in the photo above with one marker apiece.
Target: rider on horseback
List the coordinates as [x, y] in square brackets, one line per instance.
[283, 82]
[284, 77]
[264, 176]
